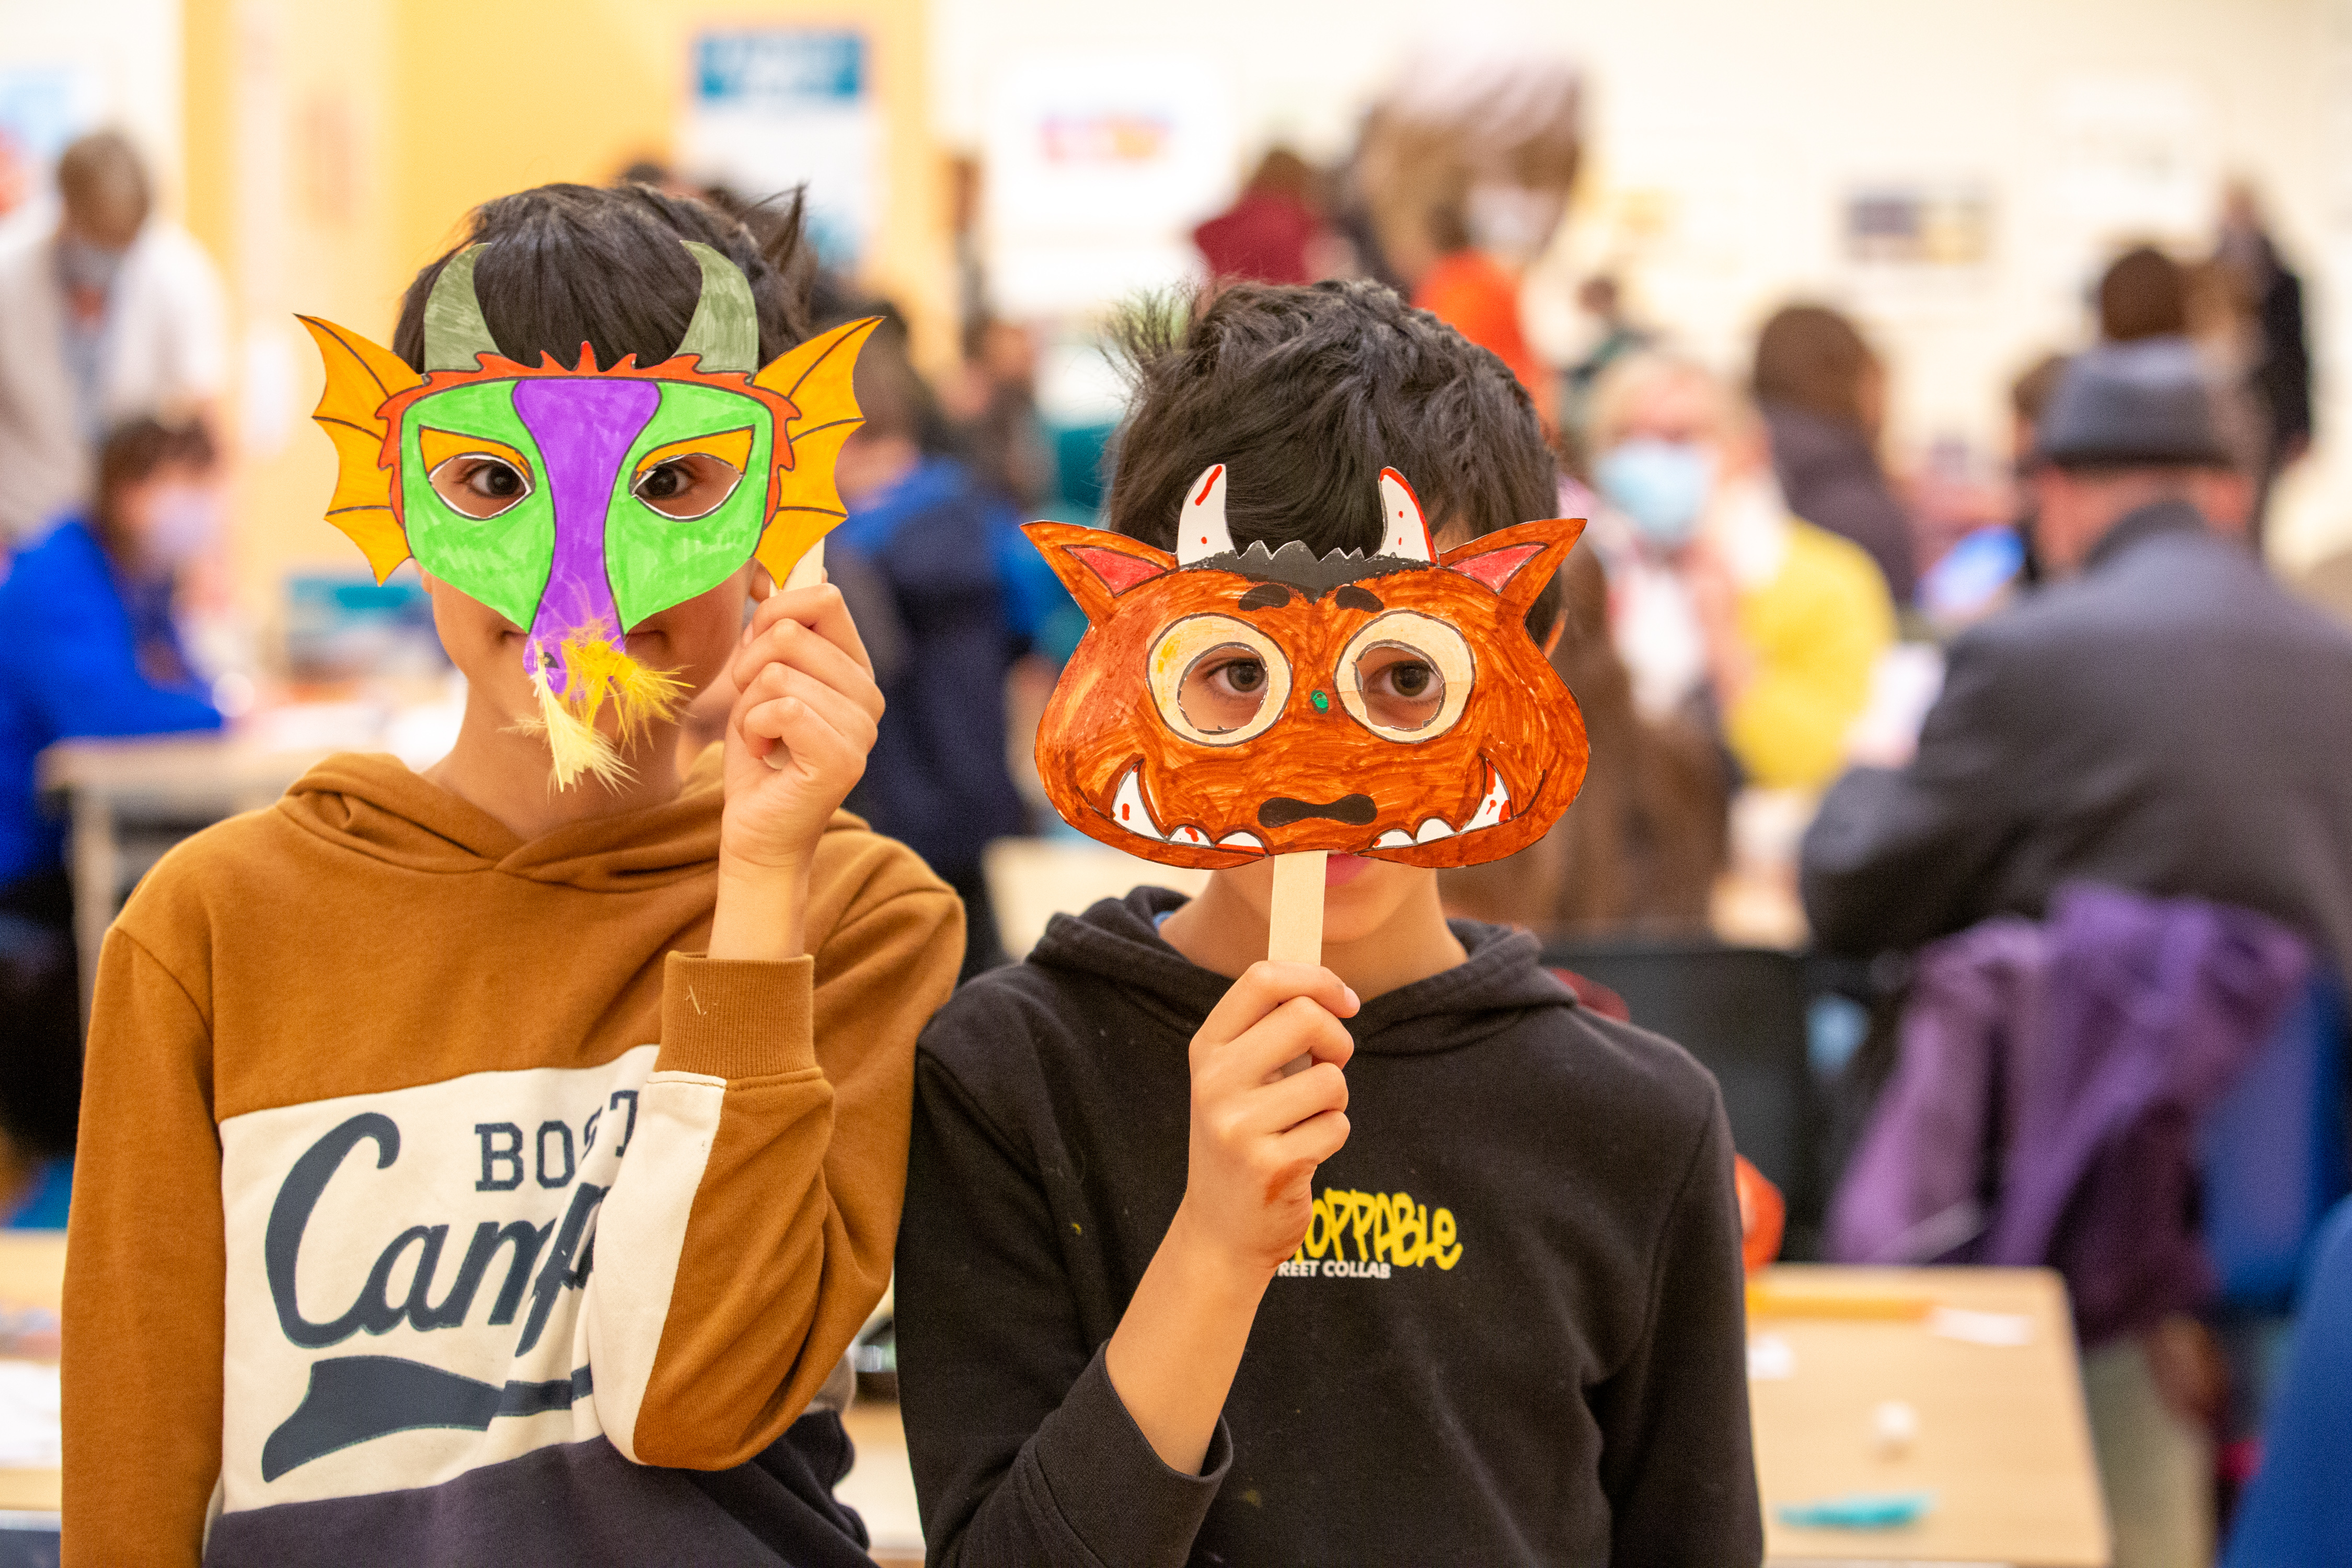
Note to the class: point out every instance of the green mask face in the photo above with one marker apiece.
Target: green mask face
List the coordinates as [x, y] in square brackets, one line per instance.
[578, 502]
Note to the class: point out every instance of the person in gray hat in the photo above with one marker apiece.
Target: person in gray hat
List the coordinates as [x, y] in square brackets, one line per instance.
[2161, 717]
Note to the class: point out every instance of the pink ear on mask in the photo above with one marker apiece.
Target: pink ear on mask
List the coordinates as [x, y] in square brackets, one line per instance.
[1496, 568]
[1119, 571]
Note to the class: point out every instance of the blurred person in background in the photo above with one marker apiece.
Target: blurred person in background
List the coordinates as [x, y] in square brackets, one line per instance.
[991, 401]
[2144, 295]
[1639, 848]
[116, 314]
[1474, 294]
[1723, 602]
[2161, 717]
[1274, 232]
[2029, 397]
[88, 647]
[1614, 336]
[1822, 394]
[2269, 295]
[940, 545]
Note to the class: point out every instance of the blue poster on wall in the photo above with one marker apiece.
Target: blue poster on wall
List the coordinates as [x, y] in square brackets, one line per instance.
[772, 107]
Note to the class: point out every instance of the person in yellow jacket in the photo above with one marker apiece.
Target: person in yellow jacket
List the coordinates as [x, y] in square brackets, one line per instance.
[1722, 599]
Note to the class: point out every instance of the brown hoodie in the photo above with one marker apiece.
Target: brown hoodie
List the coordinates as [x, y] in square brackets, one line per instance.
[362, 1076]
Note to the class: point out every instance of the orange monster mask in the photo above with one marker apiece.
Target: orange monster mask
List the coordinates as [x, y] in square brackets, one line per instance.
[1227, 704]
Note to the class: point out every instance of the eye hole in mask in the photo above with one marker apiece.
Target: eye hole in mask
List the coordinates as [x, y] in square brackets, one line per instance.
[476, 476]
[693, 478]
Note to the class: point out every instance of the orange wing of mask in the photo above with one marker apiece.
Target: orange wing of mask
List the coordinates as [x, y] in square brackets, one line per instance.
[361, 377]
[804, 503]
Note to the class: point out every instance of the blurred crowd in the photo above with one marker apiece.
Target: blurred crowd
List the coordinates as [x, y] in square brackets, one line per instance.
[1819, 695]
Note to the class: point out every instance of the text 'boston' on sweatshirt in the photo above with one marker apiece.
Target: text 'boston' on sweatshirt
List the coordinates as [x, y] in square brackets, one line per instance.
[432, 1206]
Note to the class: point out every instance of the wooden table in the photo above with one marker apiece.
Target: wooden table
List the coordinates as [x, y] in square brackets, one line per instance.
[2002, 1438]
[32, 1274]
[127, 801]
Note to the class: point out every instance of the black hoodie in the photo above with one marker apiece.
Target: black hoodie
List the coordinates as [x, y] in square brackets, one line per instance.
[1513, 1334]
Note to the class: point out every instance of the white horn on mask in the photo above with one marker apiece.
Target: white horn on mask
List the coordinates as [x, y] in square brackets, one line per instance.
[1201, 525]
[1403, 530]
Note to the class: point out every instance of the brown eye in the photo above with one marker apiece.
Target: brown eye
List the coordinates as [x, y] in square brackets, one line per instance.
[691, 485]
[1401, 689]
[1223, 690]
[1406, 676]
[479, 485]
[1217, 679]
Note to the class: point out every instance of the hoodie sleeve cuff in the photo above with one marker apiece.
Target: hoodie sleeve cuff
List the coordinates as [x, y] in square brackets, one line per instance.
[736, 1019]
[1113, 1492]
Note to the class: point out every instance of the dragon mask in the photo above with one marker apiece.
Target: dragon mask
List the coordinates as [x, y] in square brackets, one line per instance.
[1227, 704]
[577, 502]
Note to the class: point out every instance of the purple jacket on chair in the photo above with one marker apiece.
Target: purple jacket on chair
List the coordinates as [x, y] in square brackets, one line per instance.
[2052, 1082]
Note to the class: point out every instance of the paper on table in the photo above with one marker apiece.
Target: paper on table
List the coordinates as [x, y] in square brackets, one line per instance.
[2005, 1331]
[29, 1433]
[1771, 1358]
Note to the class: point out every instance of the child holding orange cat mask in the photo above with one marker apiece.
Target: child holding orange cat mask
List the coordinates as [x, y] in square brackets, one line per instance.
[1400, 1257]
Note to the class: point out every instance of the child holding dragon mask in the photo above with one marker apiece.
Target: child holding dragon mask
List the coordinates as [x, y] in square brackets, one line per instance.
[490, 1164]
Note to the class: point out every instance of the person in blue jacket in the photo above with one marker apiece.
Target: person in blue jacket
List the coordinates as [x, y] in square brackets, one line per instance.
[88, 647]
[941, 557]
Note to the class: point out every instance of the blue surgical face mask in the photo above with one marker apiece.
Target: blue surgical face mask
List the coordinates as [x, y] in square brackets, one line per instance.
[86, 266]
[1659, 485]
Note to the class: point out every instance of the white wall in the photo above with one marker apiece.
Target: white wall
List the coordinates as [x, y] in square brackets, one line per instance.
[126, 53]
[1725, 135]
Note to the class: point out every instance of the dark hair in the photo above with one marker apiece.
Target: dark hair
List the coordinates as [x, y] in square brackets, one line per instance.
[2144, 294]
[1305, 392]
[1812, 358]
[565, 265]
[131, 453]
[2030, 394]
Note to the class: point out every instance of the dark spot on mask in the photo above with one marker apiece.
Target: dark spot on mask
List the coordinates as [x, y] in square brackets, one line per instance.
[1350, 597]
[1265, 596]
[1355, 810]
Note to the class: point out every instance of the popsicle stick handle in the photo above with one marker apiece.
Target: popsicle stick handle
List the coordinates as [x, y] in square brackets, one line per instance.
[1295, 923]
[1294, 927]
[806, 572]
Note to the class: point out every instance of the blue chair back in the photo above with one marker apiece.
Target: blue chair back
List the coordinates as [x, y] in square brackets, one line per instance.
[2295, 1510]
[2273, 1154]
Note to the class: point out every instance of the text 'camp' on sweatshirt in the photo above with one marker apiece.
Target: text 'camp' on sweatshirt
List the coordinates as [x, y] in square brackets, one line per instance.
[1514, 1334]
[432, 1206]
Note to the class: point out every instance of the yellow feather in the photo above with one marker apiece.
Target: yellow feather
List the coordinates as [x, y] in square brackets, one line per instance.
[600, 672]
[361, 376]
[817, 377]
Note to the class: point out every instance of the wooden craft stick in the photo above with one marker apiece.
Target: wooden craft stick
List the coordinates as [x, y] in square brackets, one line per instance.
[809, 569]
[1294, 931]
[1294, 925]
[806, 572]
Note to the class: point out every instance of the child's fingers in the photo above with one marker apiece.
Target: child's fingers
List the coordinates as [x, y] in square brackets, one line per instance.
[788, 642]
[1283, 1104]
[1265, 985]
[844, 712]
[822, 610]
[791, 724]
[1299, 1027]
[1315, 1139]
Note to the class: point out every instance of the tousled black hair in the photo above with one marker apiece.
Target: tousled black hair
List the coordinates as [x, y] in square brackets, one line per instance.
[566, 265]
[1305, 393]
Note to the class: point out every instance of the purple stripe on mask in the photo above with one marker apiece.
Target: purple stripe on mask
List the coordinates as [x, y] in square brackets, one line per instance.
[584, 429]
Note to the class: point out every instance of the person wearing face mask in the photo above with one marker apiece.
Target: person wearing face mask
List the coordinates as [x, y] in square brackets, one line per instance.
[114, 312]
[88, 645]
[1723, 601]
